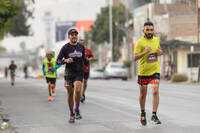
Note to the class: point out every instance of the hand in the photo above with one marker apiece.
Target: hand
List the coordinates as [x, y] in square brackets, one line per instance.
[69, 60]
[148, 49]
[159, 52]
[53, 69]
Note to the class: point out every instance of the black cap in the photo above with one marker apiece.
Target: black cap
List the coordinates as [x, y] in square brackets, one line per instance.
[72, 31]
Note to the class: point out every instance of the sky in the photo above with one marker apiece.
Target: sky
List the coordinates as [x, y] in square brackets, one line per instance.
[60, 10]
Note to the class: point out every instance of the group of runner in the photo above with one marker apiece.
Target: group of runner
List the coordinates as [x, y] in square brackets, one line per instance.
[76, 59]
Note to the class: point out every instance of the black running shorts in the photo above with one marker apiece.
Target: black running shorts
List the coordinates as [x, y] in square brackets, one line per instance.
[70, 79]
[145, 80]
[51, 80]
[86, 75]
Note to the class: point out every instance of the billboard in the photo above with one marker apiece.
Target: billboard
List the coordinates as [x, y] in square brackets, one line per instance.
[61, 29]
[63, 26]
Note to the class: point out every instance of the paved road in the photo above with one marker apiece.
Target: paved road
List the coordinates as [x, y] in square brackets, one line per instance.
[111, 107]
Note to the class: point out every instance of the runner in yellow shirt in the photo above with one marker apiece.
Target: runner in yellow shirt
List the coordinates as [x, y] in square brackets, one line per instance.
[147, 50]
[49, 70]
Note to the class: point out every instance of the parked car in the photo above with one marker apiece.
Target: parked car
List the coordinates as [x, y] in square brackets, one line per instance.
[116, 70]
[96, 73]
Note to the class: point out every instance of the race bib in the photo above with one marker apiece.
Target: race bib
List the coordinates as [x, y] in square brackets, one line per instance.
[50, 72]
[152, 58]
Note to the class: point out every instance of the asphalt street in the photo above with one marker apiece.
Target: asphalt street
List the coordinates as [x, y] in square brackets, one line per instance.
[111, 107]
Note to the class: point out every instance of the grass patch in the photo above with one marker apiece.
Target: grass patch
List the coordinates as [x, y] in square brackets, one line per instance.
[179, 78]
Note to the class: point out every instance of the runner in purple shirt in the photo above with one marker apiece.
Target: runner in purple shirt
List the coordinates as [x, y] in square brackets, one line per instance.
[73, 55]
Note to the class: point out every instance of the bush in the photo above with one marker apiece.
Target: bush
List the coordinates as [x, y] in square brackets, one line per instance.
[127, 63]
[179, 78]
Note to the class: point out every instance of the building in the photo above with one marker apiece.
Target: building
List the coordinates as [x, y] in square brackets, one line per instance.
[176, 25]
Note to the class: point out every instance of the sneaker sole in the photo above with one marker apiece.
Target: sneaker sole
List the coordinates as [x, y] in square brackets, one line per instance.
[78, 118]
[71, 122]
[154, 123]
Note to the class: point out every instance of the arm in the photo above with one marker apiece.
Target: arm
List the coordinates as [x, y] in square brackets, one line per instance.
[85, 60]
[159, 52]
[55, 68]
[58, 66]
[60, 60]
[43, 69]
[91, 56]
[140, 55]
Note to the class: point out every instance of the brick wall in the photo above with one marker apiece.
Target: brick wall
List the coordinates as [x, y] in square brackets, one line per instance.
[183, 25]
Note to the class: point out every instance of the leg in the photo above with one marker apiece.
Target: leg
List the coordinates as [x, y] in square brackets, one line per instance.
[142, 97]
[142, 100]
[53, 88]
[53, 85]
[155, 101]
[155, 93]
[77, 86]
[84, 86]
[70, 93]
[50, 98]
[49, 88]
[12, 79]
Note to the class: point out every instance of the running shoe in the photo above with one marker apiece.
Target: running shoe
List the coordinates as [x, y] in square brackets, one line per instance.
[143, 119]
[77, 114]
[72, 118]
[155, 120]
[50, 98]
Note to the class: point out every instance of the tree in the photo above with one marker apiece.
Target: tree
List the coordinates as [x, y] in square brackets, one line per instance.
[13, 17]
[8, 9]
[100, 29]
[20, 26]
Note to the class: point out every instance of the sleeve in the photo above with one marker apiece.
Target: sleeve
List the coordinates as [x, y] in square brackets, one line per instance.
[60, 57]
[43, 69]
[58, 66]
[91, 55]
[85, 60]
[138, 48]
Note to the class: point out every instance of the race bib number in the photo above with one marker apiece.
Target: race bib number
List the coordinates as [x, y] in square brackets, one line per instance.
[152, 58]
[50, 72]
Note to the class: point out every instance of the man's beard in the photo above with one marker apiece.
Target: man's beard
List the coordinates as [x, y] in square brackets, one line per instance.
[74, 40]
[149, 36]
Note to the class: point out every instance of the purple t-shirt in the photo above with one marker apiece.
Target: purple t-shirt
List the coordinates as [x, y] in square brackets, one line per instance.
[76, 52]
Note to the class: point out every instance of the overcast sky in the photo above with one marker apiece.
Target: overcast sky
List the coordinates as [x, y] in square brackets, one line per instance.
[60, 10]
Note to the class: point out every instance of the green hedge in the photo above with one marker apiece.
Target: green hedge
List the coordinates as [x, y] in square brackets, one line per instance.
[179, 78]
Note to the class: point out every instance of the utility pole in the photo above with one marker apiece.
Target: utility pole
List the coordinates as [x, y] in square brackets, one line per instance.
[110, 29]
[197, 13]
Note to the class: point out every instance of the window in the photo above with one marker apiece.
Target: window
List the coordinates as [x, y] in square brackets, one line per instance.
[193, 60]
